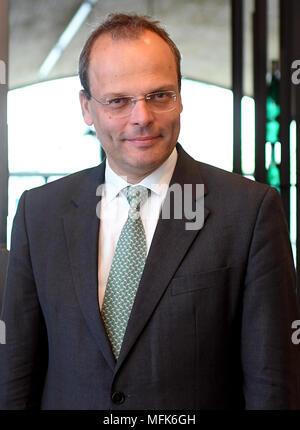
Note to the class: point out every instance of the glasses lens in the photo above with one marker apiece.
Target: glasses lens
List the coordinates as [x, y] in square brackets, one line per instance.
[120, 106]
[161, 102]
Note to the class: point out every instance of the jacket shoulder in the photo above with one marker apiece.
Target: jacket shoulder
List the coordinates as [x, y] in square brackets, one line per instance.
[222, 178]
[59, 193]
[216, 179]
[69, 182]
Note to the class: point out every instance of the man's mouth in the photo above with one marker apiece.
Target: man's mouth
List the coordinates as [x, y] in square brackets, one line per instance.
[143, 140]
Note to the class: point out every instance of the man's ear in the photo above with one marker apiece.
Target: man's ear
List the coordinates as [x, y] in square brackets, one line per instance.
[85, 108]
[180, 104]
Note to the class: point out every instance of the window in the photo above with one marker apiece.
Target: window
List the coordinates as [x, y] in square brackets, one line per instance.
[48, 139]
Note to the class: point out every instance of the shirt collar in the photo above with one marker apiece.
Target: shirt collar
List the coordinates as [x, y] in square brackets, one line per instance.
[158, 181]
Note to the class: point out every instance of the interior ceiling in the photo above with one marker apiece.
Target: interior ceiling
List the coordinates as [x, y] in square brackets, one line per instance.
[200, 28]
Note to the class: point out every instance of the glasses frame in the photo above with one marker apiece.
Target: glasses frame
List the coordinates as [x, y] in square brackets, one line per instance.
[134, 100]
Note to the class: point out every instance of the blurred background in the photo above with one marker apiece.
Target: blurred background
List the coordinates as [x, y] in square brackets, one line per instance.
[241, 103]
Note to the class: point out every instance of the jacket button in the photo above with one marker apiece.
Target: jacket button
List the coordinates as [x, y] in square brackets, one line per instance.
[118, 397]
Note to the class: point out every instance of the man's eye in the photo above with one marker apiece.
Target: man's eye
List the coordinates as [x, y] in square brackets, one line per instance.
[117, 101]
[160, 95]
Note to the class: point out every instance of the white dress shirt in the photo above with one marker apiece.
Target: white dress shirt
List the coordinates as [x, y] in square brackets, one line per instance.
[114, 211]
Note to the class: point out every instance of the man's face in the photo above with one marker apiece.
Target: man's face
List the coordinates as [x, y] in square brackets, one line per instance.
[139, 143]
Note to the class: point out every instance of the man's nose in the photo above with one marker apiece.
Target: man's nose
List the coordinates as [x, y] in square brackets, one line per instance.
[141, 114]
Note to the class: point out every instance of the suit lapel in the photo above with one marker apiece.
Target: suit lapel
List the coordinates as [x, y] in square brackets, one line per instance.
[81, 229]
[170, 243]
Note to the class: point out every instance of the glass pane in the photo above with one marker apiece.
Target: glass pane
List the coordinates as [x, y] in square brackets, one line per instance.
[206, 123]
[248, 135]
[293, 218]
[293, 189]
[293, 153]
[53, 178]
[50, 136]
[249, 177]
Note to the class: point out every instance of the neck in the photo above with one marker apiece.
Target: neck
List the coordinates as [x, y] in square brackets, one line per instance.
[133, 178]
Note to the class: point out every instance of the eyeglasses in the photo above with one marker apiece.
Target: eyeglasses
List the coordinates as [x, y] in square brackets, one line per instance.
[159, 102]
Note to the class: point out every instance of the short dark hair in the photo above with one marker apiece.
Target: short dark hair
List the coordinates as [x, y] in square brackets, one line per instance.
[123, 26]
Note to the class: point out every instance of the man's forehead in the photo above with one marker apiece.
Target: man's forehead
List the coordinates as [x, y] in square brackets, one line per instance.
[124, 65]
[145, 37]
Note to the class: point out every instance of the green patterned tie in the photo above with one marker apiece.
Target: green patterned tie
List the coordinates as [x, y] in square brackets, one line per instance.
[126, 270]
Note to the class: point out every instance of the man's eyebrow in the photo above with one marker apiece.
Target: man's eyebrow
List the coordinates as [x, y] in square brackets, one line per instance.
[169, 87]
[112, 95]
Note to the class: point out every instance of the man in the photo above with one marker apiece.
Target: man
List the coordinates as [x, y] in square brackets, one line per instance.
[207, 321]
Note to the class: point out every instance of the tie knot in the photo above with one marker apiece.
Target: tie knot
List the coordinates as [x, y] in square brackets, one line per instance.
[136, 196]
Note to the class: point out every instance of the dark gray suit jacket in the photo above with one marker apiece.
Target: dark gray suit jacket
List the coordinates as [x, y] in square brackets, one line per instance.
[211, 323]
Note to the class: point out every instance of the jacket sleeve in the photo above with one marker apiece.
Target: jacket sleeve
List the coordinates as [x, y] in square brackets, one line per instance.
[23, 358]
[270, 360]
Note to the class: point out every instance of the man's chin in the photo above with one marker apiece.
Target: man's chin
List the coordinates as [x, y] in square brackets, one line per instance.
[142, 167]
